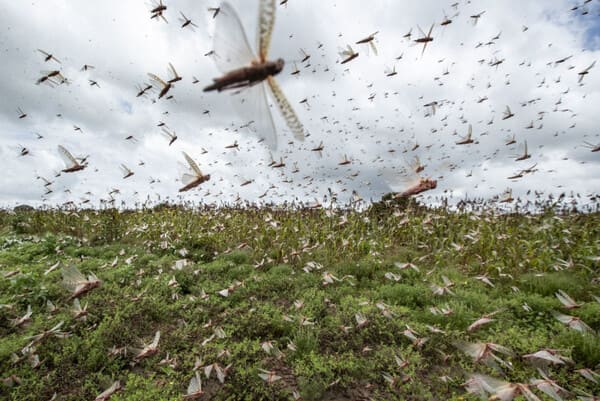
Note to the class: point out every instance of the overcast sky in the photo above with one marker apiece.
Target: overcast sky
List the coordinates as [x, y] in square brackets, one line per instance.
[355, 109]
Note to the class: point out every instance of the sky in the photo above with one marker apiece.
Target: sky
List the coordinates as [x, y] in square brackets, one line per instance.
[359, 111]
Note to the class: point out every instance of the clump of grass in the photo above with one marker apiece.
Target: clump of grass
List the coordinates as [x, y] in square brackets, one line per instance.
[257, 276]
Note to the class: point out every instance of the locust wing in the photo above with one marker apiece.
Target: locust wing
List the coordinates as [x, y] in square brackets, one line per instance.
[72, 277]
[230, 44]
[157, 79]
[66, 156]
[251, 103]
[192, 164]
[286, 109]
[266, 22]
[195, 385]
[173, 71]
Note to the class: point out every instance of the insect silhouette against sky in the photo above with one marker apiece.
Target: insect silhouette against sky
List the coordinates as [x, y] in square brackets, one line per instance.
[192, 176]
[71, 163]
[242, 69]
[425, 38]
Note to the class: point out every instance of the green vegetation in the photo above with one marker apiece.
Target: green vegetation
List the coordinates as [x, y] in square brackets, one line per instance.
[336, 305]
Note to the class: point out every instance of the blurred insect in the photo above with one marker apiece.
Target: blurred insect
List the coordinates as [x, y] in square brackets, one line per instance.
[148, 350]
[507, 113]
[345, 161]
[296, 70]
[71, 163]
[127, 172]
[445, 289]
[425, 39]
[549, 386]
[185, 22]
[583, 73]
[348, 55]
[54, 331]
[305, 56]
[157, 10]
[48, 56]
[498, 389]
[370, 41]
[21, 113]
[78, 311]
[485, 319]
[410, 183]
[566, 300]
[77, 283]
[391, 73]
[468, 139]
[414, 337]
[522, 173]
[106, 394]
[142, 90]
[484, 353]
[589, 374]
[422, 185]
[447, 21]
[573, 322]
[193, 176]
[242, 69]
[171, 136]
[194, 390]
[525, 155]
[166, 86]
[215, 11]
[23, 320]
[594, 148]
[51, 78]
[475, 17]
[269, 376]
[506, 197]
[547, 356]
[319, 148]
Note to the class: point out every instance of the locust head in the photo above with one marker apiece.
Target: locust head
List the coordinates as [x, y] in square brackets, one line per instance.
[278, 66]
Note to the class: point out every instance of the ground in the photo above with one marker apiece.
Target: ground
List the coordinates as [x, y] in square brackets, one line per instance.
[336, 305]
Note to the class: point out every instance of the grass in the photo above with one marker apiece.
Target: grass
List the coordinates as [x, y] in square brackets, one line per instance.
[271, 258]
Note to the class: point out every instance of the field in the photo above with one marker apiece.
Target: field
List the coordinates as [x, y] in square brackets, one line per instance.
[282, 304]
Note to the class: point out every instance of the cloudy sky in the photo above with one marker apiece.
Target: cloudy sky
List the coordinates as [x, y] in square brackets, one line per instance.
[357, 110]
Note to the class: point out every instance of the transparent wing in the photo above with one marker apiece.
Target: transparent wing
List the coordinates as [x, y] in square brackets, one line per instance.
[109, 391]
[400, 179]
[195, 384]
[187, 178]
[154, 343]
[173, 70]
[230, 44]
[489, 384]
[286, 109]
[186, 174]
[72, 277]
[252, 105]
[192, 164]
[157, 79]
[66, 156]
[373, 47]
[266, 22]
